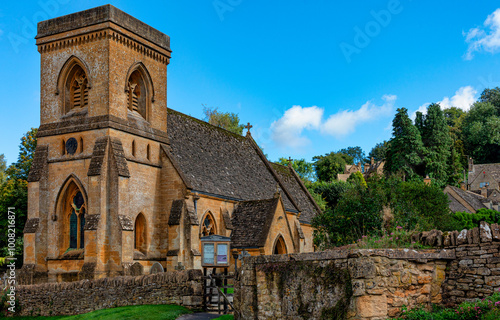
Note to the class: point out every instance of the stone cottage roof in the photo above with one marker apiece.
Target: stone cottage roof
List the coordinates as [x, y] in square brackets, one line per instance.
[251, 222]
[215, 161]
[490, 168]
[460, 199]
[299, 192]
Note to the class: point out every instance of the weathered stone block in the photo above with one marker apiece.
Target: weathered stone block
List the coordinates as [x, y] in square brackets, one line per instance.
[371, 306]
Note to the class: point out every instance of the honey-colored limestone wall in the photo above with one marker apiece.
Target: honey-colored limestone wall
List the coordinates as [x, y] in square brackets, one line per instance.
[364, 284]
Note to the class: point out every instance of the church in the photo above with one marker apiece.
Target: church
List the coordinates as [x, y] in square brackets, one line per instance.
[119, 182]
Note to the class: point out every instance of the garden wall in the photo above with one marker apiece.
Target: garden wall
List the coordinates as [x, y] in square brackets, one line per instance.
[66, 298]
[340, 284]
[371, 284]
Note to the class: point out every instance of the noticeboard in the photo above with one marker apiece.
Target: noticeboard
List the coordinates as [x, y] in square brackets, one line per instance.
[215, 251]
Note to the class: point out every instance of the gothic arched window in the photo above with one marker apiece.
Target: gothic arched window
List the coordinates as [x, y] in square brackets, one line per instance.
[140, 233]
[77, 221]
[208, 226]
[76, 94]
[137, 94]
[279, 246]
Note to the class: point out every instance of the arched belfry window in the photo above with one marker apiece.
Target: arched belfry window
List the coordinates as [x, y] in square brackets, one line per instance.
[140, 233]
[73, 85]
[139, 90]
[76, 220]
[208, 226]
[279, 246]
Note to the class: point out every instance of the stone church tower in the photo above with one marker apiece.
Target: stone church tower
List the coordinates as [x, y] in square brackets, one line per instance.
[120, 183]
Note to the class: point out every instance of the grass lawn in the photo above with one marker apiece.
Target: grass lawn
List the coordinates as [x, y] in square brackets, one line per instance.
[145, 312]
[225, 317]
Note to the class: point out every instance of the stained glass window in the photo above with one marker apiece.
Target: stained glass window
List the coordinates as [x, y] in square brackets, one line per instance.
[82, 224]
[208, 226]
[73, 229]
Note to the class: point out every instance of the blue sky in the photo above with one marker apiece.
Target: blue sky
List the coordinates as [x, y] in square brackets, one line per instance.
[310, 76]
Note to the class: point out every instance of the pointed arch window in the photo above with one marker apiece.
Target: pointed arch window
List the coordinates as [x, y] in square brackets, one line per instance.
[76, 89]
[279, 246]
[140, 233]
[208, 226]
[137, 94]
[77, 221]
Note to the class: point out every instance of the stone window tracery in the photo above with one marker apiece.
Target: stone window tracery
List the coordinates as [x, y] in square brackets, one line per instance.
[77, 221]
[208, 226]
[77, 89]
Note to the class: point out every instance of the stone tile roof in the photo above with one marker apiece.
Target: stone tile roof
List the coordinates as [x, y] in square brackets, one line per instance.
[39, 164]
[251, 222]
[456, 206]
[299, 192]
[492, 168]
[471, 198]
[217, 162]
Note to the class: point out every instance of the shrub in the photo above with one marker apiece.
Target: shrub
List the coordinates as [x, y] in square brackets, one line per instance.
[465, 220]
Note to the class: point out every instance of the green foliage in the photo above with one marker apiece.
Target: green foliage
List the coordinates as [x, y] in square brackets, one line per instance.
[419, 121]
[356, 214]
[330, 192]
[357, 178]
[492, 96]
[226, 120]
[405, 150]
[485, 309]
[465, 220]
[417, 206]
[14, 192]
[437, 143]
[304, 169]
[356, 153]
[378, 152]
[327, 167]
[481, 132]
[398, 238]
[3, 167]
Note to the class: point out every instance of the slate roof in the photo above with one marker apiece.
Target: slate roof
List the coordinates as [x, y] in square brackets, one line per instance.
[215, 161]
[251, 222]
[492, 168]
[473, 199]
[299, 192]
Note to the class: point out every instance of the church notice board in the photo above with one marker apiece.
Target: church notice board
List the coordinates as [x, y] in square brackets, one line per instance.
[215, 251]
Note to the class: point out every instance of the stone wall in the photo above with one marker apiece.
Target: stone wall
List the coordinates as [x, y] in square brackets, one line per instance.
[340, 284]
[178, 287]
[475, 273]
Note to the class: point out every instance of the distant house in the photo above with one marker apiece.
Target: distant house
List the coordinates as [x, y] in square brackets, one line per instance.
[368, 169]
[483, 176]
[469, 201]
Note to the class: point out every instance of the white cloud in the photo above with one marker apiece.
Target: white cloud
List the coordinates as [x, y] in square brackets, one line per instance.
[485, 38]
[288, 129]
[463, 99]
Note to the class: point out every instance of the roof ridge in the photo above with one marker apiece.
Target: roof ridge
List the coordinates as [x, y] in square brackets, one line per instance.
[202, 122]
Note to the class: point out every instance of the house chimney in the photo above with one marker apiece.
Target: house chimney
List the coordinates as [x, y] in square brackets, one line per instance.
[484, 192]
[427, 180]
[471, 164]
[372, 161]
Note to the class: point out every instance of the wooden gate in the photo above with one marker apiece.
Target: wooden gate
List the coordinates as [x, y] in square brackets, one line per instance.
[218, 292]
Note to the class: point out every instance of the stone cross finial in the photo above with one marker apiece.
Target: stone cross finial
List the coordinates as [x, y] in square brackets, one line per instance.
[290, 161]
[248, 127]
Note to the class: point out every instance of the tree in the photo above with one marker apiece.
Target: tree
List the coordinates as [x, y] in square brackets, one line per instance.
[226, 120]
[378, 152]
[437, 142]
[405, 149]
[453, 116]
[419, 121]
[492, 96]
[304, 169]
[481, 133]
[14, 191]
[3, 167]
[357, 178]
[327, 167]
[356, 153]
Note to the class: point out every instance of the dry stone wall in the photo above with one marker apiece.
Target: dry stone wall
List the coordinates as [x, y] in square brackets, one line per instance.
[66, 298]
[376, 283]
